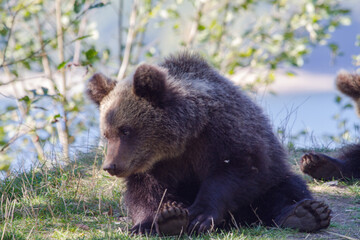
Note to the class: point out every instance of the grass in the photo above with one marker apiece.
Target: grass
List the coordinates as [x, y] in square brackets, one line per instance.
[80, 201]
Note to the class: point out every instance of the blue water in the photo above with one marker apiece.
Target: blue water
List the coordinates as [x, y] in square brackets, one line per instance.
[313, 112]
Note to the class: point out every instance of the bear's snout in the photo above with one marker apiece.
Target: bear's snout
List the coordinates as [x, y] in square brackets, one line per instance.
[110, 168]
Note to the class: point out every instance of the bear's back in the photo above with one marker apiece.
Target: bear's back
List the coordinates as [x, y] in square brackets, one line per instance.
[233, 117]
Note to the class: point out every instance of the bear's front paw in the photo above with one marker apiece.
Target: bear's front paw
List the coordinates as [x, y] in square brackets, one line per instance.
[202, 221]
[173, 219]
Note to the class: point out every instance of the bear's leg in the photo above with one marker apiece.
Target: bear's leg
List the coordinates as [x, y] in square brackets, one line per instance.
[291, 205]
[142, 198]
[321, 166]
[172, 219]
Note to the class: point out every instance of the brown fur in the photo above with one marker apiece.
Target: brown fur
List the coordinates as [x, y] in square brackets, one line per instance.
[349, 84]
[99, 87]
[345, 164]
[180, 132]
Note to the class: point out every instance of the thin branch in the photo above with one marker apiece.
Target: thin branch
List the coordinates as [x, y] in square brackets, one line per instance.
[36, 53]
[223, 27]
[140, 43]
[341, 235]
[64, 134]
[44, 56]
[129, 41]
[19, 135]
[34, 138]
[77, 48]
[11, 31]
[120, 28]
[195, 25]
[9, 36]
[48, 72]
[22, 79]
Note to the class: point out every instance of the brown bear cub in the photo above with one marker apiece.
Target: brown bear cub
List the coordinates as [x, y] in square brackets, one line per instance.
[196, 153]
[346, 163]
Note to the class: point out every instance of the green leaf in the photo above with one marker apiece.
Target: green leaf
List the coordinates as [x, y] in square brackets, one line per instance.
[338, 99]
[45, 91]
[10, 108]
[61, 65]
[82, 37]
[201, 27]
[4, 166]
[77, 6]
[15, 73]
[349, 105]
[4, 31]
[25, 99]
[334, 47]
[55, 118]
[98, 5]
[290, 74]
[26, 65]
[33, 91]
[90, 54]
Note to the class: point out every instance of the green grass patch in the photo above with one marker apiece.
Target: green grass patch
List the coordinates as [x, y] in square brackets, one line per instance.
[80, 201]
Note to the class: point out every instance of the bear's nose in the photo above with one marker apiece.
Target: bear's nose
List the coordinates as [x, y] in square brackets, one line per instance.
[110, 168]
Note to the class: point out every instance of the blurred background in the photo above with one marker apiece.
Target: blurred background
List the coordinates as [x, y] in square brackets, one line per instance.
[284, 53]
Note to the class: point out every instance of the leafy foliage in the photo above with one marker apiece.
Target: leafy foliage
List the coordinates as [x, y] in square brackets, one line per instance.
[31, 50]
[47, 39]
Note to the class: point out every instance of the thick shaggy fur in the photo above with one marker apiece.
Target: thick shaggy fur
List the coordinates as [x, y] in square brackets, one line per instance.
[349, 84]
[180, 132]
[345, 164]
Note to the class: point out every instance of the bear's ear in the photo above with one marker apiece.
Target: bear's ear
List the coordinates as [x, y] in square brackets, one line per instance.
[150, 83]
[349, 84]
[98, 87]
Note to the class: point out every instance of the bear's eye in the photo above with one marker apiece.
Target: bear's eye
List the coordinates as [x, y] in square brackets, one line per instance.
[124, 131]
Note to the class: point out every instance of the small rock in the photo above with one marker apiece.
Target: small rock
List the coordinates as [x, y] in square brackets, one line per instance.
[83, 226]
[332, 183]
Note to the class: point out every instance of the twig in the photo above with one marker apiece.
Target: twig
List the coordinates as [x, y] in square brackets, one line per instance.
[9, 36]
[28, 237]
[77, 46]
[11, 30]
[120, 28]
[223, 26]
[48, 72]
[195, 25]
[157, 210]
[21, 132]
[2, 236]
[63, 134]
[22, 79]
[36, 54]
[34, 138]
[129, 41]
[140, 42]
[340, 235]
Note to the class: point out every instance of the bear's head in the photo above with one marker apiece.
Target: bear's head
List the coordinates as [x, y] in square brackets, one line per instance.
[140, 120]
